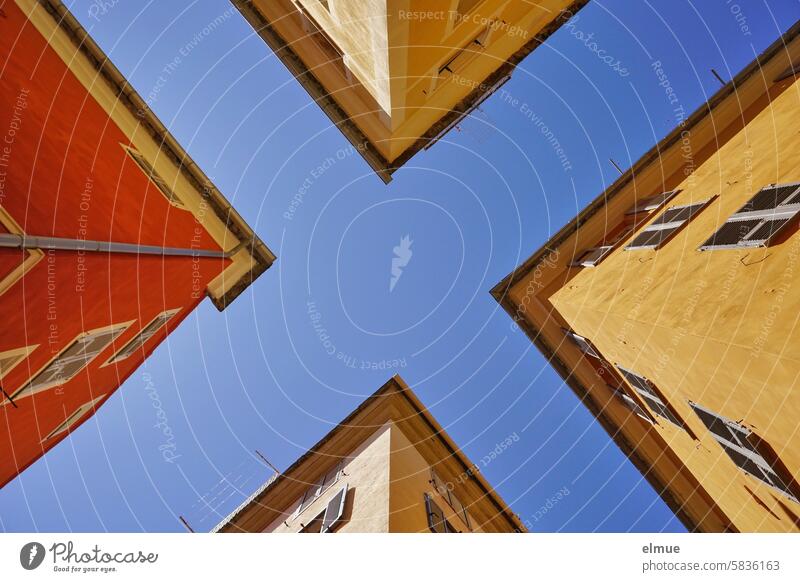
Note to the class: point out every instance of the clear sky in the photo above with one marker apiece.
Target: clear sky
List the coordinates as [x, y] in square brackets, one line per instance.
[261, 375]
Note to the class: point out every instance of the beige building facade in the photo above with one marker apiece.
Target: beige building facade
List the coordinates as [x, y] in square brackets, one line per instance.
[389, 467]
[396, 75]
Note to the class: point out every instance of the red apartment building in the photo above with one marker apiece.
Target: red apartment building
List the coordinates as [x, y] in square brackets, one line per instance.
[110, 235]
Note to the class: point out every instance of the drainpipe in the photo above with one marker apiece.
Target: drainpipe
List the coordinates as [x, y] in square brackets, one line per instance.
[21, 241]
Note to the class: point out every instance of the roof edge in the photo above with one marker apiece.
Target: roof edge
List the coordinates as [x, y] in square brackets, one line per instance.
[617, 436]
[383, 167]
[398, 386]
[127, 95]
[651, 156]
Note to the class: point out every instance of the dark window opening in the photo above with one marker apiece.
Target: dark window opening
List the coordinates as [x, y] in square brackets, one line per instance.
[669, 223]
[652, 397]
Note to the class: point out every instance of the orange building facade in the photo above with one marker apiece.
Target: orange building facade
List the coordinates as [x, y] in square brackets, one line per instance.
[109, 233]
[669, 305]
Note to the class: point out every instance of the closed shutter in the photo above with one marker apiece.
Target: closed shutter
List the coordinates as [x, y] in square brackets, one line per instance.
[335, 510]
[73, 418]
[72, 360]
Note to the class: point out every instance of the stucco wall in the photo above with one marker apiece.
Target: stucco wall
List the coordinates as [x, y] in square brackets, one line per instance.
[716, 327]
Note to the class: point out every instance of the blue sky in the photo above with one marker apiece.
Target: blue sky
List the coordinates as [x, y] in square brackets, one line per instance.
[260, 375]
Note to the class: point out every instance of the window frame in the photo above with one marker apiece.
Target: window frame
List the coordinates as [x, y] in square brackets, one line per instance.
[467, 52]
[793, 70]
[318, 488]
[582, 343]
[781, 211]
[149, 170]
[653, 203]
[431, 509]
[651, 394]
[17, 356]
[74, 418]
[742, 442]
[323, 41]
[32, 256]
[118, 356]
[605, 251]
[674, 227]
[450, 498]
[27, 389]
[329, 522]
[630, 402]
[317, 519]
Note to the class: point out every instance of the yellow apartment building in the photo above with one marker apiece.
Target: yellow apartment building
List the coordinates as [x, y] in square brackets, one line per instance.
[670, 304]
[396, 75]
[388, 467]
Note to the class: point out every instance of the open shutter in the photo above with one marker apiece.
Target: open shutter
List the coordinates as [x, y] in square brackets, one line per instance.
[436, 521]
[334, 511]
[653, 202]
[661, 230]
[647, 391]
[759, 221]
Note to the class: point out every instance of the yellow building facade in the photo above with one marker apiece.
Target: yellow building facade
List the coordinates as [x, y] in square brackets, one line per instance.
[389, 467]
[396, 75]
[670, 304]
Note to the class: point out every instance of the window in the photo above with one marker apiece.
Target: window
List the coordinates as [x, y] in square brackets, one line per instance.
[79, 354]
[630, 403]
[154, 177]
[73, 418]
[663, 228]
[333, 54]
[10, 274]
[466, 6]
[315, 525]
[463, 57]
[326, 481]
[452, 500]
[592, 257]
[653, 202]
[583, 344]
[328, 519]
[137, 343]
[9, 359]
[651, 396]
[334, 511]
[758, 222]
[792, 71]
[745, 450]
[436, 520]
